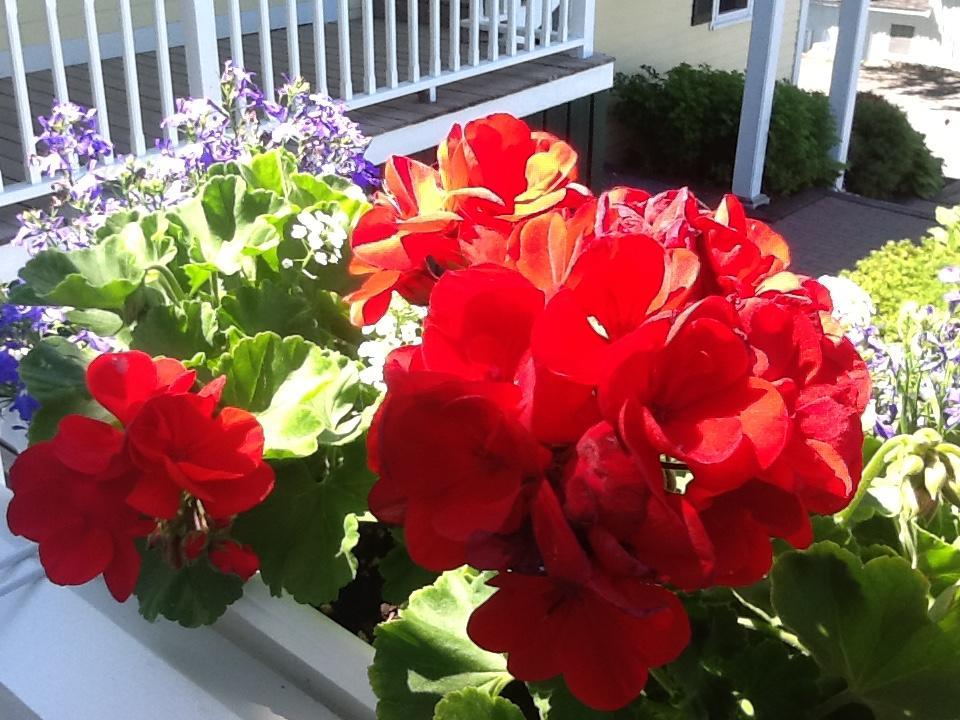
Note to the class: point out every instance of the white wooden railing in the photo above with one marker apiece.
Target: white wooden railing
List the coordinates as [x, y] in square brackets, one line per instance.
[374, 56]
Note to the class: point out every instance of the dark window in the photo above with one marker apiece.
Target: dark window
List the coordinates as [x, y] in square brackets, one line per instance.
[732, 5]
[702, 12]
[900, 36]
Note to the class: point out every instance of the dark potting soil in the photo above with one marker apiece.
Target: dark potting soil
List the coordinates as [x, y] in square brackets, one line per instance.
[360, 607]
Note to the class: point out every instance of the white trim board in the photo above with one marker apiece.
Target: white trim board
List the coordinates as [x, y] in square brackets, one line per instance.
[37, 57]
[420, 136]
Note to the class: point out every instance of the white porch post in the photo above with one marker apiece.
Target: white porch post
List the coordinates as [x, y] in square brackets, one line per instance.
[203, 61]
[762, 59]
[852, 33]
[583, 19]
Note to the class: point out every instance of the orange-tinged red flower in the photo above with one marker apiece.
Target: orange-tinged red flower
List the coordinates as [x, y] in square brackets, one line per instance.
[492, 174]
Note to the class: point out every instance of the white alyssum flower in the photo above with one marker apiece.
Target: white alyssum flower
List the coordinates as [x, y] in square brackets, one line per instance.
[402, 325]
[853, 307]
[324, 235]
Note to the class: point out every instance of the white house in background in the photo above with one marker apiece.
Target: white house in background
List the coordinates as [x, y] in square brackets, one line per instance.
[926, 32]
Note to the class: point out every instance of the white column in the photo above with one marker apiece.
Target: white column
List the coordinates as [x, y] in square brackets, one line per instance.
[200, 35]
[762, 60]
[802, 21]
[851, 36]
[583, 18]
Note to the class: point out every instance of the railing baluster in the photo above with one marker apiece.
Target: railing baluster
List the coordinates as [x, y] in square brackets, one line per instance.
[454, 35]
[435, 65]
[475, 11]
[293, 39]
[369, 60]
[236, 34]
[320, 45]
[493, 49]
[546, 29]
[528, 36]
[564, 20]
[343, 31]
[56, 52]
[137, 142]
[163, 66]
[20, 95]
[513, 9]
[413, 38]
[393, 76]
[95, 67]
[266, 51]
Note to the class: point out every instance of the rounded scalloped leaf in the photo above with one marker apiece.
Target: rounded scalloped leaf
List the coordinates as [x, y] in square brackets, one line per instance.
[868, 624]
[473, 704]
[425, 652]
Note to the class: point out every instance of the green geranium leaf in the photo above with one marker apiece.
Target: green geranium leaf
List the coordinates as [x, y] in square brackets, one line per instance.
[473, 704]
[101, 322]
[178, 331]
[54, 372]
[938, 560]
[102, 276]
[269, 171]
[401, 575]
[425, 652]
[269, 307]
[555, 702]
[194, 595]
[304, 395]
[305, 531]
[225, 224]
[868, 624]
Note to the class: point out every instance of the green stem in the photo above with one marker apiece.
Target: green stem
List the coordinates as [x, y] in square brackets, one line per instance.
[774, 631]
[660, 675]
[169, 281]
[870, 472]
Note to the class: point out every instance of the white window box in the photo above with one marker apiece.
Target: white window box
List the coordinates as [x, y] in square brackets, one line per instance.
[76, 654]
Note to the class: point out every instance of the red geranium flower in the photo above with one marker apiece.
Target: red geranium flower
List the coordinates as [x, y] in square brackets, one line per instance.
[402, 242]
[493, 173]
[738, 252]
[601, 633]
[69, 496]
[685, 387]
[668, 217]
[232, 558]
[180, 444]
[452, 459]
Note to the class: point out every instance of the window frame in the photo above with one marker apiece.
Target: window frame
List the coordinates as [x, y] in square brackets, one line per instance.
[730, 17]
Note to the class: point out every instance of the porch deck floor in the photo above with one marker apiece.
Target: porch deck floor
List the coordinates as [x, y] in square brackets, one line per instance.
[374, 119]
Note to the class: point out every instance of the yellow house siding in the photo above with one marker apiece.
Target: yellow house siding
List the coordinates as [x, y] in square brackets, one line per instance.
[658, 33]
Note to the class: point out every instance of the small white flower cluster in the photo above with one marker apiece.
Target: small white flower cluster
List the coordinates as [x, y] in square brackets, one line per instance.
[852, 305]
[325, 235]
[402, 325]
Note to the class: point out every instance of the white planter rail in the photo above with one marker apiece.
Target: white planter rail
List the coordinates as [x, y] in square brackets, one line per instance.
[362, 51]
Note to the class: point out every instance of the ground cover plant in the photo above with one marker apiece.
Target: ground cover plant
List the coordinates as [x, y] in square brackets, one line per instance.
[556, 455]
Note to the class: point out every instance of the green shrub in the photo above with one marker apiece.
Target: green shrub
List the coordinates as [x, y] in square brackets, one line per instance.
[888, 158]
[906, 270]
[684, 122]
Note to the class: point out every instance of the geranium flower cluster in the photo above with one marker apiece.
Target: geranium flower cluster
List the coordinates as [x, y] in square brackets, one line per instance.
[615, 398]
[171, 471]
